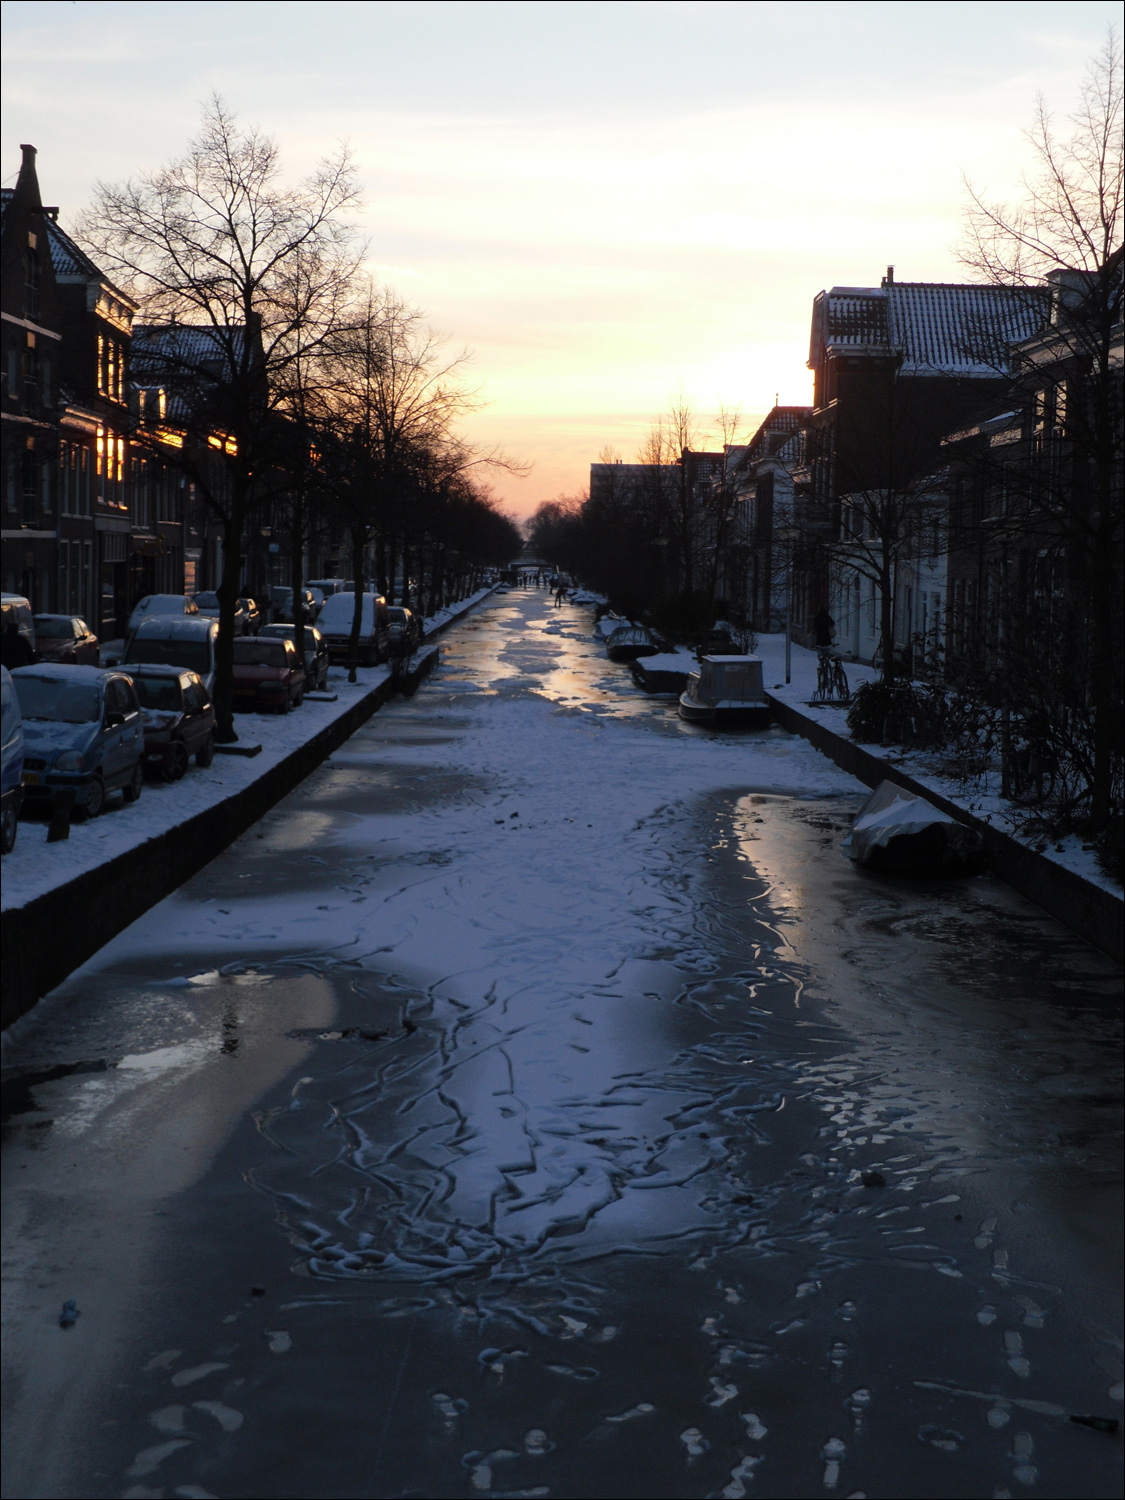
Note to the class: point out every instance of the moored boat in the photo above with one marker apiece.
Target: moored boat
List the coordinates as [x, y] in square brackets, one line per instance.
[726, 691]
[630, 642]
[896, 830]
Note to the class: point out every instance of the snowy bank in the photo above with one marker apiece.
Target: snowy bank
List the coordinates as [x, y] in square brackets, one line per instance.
[1063, 877]
[62, 901]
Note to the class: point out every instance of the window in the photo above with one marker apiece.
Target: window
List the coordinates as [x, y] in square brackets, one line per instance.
[31, 279]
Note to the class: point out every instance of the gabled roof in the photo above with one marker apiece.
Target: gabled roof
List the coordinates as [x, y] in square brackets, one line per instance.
[67, 258]
[936, 328]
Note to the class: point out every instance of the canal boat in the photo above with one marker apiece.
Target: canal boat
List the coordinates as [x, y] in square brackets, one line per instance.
[898, 831]
[726, 692]
[629, 643]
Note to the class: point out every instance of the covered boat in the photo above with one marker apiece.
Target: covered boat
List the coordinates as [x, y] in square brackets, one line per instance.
[897, 830]
[628, 642]
[726, 690]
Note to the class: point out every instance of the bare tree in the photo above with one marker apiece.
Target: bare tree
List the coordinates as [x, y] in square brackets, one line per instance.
[241, 279]
[1062, 241]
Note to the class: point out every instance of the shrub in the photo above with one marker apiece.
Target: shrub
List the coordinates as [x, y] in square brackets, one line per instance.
[897, 713]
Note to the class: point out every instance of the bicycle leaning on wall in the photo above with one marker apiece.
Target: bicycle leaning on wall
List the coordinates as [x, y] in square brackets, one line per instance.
[831, 679]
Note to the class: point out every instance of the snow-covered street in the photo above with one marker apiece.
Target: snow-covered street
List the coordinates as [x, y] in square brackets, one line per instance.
[537, 1102]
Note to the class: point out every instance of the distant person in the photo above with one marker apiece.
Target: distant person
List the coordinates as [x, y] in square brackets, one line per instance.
[16, 648]
[824, 628]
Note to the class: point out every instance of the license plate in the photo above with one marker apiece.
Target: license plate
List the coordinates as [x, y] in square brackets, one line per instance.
[31, 778]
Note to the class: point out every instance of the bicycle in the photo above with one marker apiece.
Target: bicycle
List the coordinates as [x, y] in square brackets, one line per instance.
[831, 679]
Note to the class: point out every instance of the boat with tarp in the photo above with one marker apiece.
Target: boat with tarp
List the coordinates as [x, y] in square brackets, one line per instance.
[898, 831]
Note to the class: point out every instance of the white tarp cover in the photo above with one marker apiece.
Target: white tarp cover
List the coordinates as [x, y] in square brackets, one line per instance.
[889, 813]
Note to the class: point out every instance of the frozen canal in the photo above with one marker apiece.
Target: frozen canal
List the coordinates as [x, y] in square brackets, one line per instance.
[538, 1103]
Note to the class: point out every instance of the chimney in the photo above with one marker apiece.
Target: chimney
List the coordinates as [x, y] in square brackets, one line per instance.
[889, 278]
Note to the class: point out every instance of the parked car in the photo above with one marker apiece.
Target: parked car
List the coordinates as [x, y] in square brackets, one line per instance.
[328, 586]
[82, 729]
[161, 604]
[253, 615]
[207, 603]
[335, 625]
[403, 630]
[267, 674]
[281, 606]
[65, 638]
[11, 762]
[190, 644]
[179, 721]
[17, 631]
[316, 652]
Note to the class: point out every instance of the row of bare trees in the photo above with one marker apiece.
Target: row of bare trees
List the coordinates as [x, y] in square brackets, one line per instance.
[287, 385]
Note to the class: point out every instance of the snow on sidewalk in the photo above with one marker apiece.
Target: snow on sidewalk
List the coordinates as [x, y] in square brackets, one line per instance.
[35, 867]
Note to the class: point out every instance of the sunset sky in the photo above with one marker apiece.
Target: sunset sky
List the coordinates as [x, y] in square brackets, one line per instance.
[607, 203]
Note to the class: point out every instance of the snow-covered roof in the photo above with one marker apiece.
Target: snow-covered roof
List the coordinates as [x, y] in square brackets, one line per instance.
[160, 348]
[937, 328]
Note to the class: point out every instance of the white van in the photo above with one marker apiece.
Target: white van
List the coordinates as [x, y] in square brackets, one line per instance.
[173, 642]
[335, 625]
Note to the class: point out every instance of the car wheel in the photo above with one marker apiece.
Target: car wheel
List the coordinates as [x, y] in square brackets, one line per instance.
[95, 801]
[298, 700]
[9, 822]
[179, 761]
[285, 705]
[206, 753]
[136, 783]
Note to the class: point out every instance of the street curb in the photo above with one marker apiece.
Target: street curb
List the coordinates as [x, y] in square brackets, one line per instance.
[48, 938]
[1087, 909]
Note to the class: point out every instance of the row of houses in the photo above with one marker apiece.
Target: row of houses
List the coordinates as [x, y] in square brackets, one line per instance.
[99, 506]
[952, 448]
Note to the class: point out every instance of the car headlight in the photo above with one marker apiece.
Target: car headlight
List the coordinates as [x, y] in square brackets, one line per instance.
[69, 760]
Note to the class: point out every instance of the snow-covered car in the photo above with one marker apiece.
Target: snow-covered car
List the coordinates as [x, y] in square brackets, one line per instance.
[316, 652]
[190, 644]
[328, 586]
[82, 730]
[207, 603]
[179, 721]
[11, 762]
[161, 604]
[65, 638]
[281, 606]
[402, 629]
[335, 625]
[267, 674]
[253, 614]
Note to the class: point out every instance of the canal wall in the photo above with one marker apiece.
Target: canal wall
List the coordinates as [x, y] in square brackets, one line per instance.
[1091, 911]
[46, 939]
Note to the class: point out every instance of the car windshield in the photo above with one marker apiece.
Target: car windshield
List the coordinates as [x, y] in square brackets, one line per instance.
[207, 601]
[63, 702]
[159, 692]
[192, 655]
[251, 652]
[51, 629]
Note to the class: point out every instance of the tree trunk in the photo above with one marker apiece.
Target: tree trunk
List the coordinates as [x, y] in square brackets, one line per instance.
[297, 573]
[358, 541]
[225, 733]
[887, 618]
